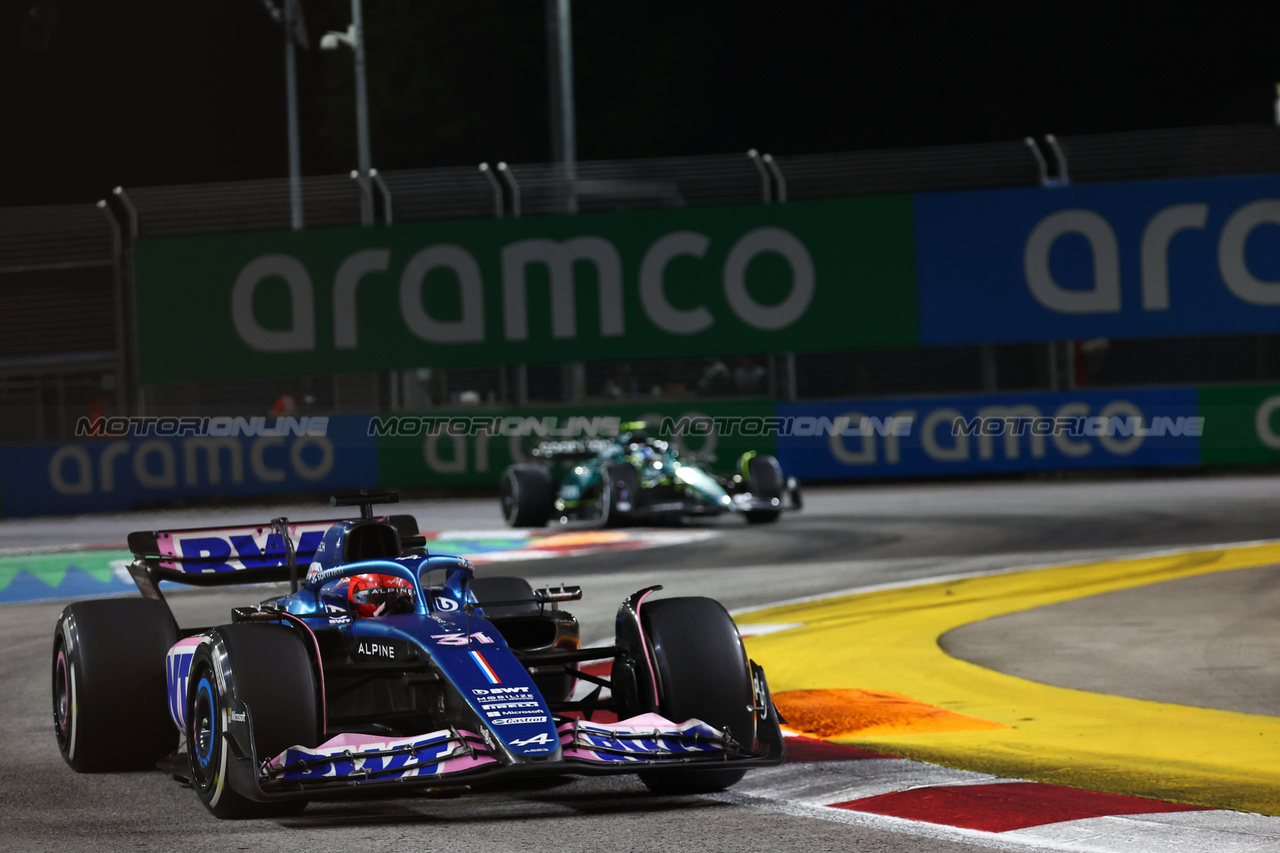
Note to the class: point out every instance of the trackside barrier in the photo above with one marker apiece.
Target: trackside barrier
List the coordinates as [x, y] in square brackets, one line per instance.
[1234, 425]
[989, 434]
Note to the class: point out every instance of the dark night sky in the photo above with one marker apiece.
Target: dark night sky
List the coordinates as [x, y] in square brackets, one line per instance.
[141, 92]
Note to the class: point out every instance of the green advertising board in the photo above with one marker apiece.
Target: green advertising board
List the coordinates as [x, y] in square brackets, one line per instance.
[808, 275]
[1241, 424]
[446, 456]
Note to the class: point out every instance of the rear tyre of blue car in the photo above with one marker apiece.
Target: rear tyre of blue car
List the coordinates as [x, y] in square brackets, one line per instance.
[266, 667]
[526, 494]
[703, 672]
[110, 711]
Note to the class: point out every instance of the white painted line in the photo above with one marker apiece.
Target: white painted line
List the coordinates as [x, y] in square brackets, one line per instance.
[1202, 832]
[771, 628]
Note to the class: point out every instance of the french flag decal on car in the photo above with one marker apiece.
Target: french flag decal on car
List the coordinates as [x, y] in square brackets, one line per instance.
[485, 668]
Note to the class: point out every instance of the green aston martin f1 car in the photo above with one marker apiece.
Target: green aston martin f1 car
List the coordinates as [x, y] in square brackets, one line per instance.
[636, 478]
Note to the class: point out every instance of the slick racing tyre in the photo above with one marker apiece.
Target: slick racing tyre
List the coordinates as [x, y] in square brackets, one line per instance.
[526, 494]
[619, 494]
[267, 668]
[110, 710]
[764, 479]
[703, 671]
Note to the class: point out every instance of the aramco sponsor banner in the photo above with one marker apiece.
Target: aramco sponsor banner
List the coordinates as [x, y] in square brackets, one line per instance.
[1242, 424]
[996, 433]
[476, 448]
[116, 472]
[1124, 260]
[808, 275]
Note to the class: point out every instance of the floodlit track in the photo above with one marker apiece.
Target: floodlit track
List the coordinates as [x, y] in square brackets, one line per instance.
[846, 539]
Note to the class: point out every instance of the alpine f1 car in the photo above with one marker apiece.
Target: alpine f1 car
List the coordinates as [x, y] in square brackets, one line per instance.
[388, 666]
[636, 478]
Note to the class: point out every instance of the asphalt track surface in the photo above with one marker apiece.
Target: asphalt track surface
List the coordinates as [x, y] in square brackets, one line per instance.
[846, 539]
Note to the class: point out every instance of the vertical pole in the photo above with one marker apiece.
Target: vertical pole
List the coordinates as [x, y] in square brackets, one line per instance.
[117, 300]
[522, 370]
[291, 87]
[131, 296]
[362, 116]
[564, 146]
[564, 137]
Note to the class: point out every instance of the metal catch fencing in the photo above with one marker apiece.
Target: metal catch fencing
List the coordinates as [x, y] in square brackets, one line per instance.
[67, 315]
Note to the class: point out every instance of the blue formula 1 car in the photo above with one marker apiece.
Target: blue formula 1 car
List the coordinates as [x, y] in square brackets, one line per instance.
[388, 666]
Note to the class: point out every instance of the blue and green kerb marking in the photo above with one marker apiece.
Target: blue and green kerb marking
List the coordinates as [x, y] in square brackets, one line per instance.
[68, 574]
[83, 574]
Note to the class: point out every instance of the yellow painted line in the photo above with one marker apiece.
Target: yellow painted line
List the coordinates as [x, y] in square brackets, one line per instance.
[888, 641]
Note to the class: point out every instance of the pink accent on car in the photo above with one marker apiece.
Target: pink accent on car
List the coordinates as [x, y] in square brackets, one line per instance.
[315, 644]
[640, 722]
[355, 743]
[645, 737]
[644, 644]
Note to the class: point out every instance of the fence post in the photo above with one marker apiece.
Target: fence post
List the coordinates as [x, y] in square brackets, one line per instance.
[510, 178]
[1063, 177]
[1040, 162]
[498, 200]
[130, 282]
[117, 299]
[522, 370]
[765, 196]
[385, 193]
[779, 180]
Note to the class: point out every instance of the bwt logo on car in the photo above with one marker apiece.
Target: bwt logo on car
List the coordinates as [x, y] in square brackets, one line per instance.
[161, 464]
[1074, 430]
[559, 258]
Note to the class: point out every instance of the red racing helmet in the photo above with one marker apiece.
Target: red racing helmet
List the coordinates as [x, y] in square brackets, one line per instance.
[379, 595]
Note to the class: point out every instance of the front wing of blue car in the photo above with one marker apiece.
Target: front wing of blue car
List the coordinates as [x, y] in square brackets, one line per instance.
[348, 764]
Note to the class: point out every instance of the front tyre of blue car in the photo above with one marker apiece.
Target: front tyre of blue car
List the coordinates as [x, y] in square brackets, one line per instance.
[703, 671]
[266, 670]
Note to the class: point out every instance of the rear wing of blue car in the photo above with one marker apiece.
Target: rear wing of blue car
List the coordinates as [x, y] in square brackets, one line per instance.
[217, 556]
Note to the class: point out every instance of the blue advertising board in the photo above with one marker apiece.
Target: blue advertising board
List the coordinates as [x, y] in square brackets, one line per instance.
[1141, 259]
[118, 473]
[990, 434]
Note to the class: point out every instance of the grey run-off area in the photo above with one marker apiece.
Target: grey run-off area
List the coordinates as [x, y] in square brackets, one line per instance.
[846, 538]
